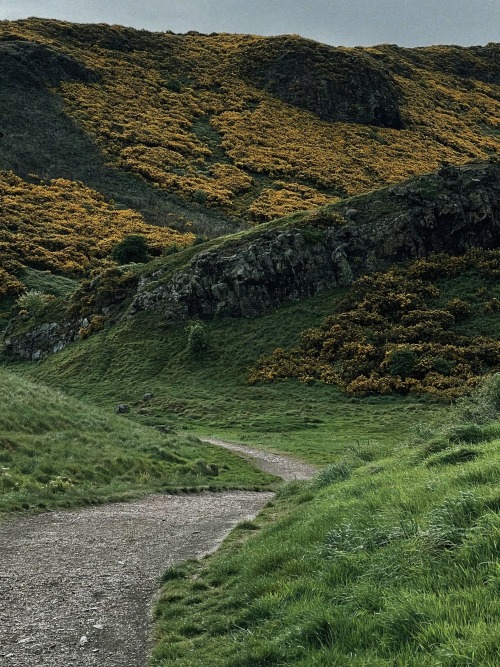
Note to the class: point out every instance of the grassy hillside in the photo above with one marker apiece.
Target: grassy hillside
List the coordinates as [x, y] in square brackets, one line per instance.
[388, 561]
[57, 452]
[209, 392]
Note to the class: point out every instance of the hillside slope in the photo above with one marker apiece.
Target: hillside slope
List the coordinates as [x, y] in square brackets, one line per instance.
[254, 127]
[212, 133]
[58, 451]
[391, 560]
[453, 211]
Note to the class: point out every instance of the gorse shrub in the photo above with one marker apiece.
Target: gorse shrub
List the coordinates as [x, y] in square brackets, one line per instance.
[74, 229]
[392, 334]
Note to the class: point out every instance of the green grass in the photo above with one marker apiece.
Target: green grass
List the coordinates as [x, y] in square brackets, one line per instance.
[209, 394]
[373, 563]
[57, 451]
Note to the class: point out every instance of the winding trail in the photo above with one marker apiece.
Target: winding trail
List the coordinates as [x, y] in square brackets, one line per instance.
[77, 587]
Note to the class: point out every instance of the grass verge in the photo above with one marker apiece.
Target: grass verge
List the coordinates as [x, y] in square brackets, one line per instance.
[56, 451]
[385, 562]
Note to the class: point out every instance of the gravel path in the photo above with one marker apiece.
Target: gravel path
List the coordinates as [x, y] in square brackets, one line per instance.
[76, 587]
[277, 464]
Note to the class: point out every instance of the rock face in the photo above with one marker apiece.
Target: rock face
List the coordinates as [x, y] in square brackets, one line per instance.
[40, 341]
[336, 84]
[452, 212]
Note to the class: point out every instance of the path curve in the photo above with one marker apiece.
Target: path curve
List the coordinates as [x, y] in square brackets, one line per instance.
[76, 587]
[276, 464]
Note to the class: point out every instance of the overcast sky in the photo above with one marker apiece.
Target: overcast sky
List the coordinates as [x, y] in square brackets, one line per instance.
[338, 22]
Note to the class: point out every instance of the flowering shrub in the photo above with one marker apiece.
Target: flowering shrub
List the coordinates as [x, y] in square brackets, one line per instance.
[390, 336]
[151, 94]
[64, 227]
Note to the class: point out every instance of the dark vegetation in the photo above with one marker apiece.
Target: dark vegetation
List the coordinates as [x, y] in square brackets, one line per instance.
[401, 332]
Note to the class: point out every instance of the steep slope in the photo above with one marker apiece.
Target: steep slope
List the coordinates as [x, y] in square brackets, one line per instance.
[64, 227]
[258, 127]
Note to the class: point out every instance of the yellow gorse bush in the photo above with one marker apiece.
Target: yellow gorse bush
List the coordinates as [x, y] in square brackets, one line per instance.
[64, 227]
[154, 89]
[391, 336]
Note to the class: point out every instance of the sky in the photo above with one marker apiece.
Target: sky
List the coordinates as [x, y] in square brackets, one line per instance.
[336, 22]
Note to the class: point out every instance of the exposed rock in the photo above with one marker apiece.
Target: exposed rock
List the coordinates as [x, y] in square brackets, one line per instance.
[123, 409]
[148, 397]
[451, 212]
[40, 341]
[337, 84]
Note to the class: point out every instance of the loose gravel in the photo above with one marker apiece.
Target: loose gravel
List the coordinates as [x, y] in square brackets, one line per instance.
[276, 464]
[77, 587]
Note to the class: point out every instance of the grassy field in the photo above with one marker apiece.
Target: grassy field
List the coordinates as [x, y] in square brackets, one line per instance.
[56, 451]
[392, 561]
[208, 394]
[389, 557]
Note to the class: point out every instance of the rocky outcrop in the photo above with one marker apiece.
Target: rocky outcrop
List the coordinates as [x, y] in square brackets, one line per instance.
[450, 212]
[242, 281]
[41, 340]
[336, 84]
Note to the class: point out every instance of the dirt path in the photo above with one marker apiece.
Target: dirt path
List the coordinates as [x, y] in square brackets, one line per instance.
[76, 588]
[277, 464]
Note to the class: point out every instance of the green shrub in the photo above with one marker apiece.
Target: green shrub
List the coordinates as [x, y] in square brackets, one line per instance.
[200, 196]
[197, 341]
[33, 301]
[132, 248]
[402, 362]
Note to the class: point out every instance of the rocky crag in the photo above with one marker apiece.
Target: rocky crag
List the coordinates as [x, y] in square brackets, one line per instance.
[451, 211]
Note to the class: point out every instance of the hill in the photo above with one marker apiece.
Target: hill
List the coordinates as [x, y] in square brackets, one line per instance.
[57, 451]
[258, 127]
[212, 133]
[253, 127]
[438, 311]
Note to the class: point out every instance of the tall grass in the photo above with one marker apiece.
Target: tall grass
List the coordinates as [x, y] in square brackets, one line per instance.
[392, 563]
